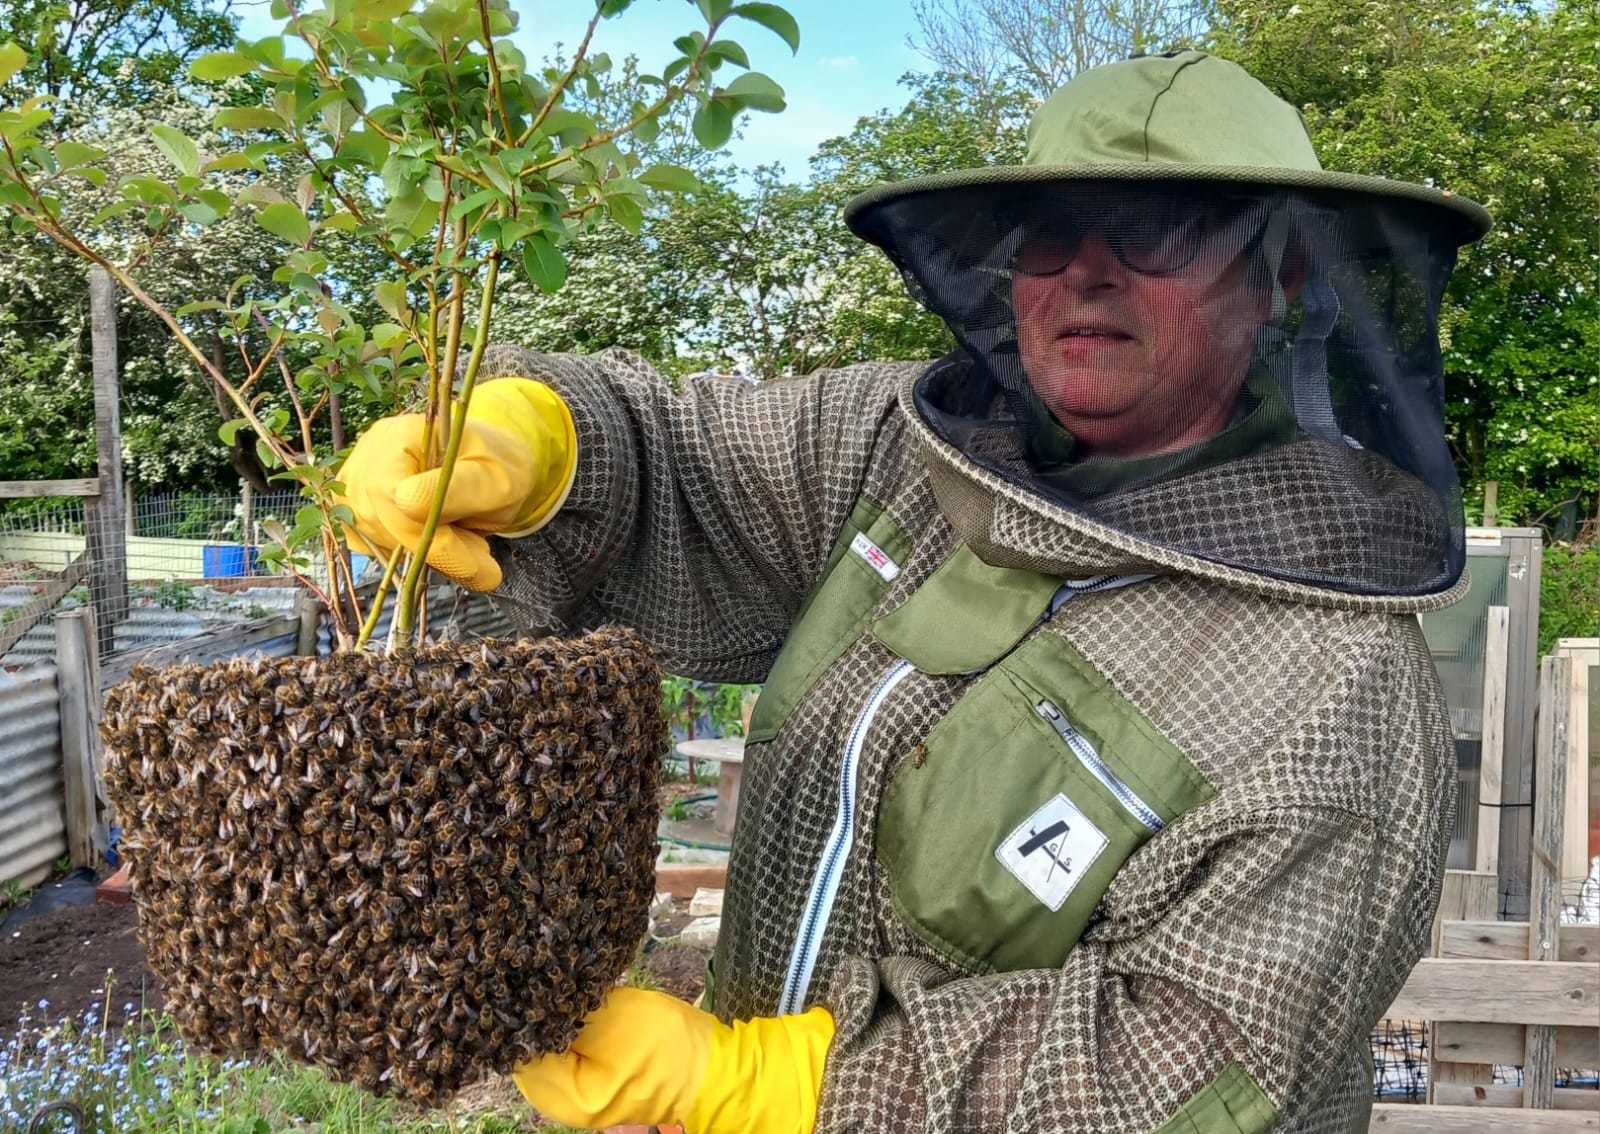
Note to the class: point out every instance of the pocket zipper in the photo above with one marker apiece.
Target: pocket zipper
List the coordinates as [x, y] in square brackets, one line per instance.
[1079, 746]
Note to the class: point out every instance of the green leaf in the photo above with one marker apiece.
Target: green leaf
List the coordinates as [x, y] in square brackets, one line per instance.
[756, 92]
[215, 66]
[286, 221]
[563, 122]
[543, 262]
[671, 178]
[391, 296]
[247, 118]
[675, 68]
[197, 306]
[228, 161]
[340, 222]
[229, 430]
[180, 151]
[12, 60]
[71, 154]
[732, 52]
[386, 335]
[381, 9]
[197, 212]
[114, 210]
[512, 229]
[713, 124]
[648, 128]
[366, 146]
[626, 212]
[148, 190]
[774, 19]
[14, 127]
[609, 8]
[474, 202]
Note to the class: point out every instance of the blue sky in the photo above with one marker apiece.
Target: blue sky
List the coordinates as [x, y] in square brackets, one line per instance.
[852, 52]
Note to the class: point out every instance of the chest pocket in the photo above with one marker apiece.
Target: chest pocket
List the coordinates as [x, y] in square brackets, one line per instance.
[864, 561]
[999, 839]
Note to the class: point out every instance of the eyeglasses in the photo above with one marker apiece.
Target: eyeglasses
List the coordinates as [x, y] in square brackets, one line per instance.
[1151, 236]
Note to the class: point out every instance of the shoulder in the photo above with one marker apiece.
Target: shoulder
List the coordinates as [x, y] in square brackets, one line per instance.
[1280, 703]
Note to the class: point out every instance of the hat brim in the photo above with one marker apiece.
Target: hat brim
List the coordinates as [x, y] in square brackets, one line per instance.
[1465, 219]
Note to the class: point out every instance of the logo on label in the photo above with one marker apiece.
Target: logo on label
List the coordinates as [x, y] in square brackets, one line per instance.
[1052, 849]
[875, 557]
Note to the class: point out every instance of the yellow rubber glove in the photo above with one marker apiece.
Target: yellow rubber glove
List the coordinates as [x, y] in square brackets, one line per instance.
[647, 1057]
[518, 457]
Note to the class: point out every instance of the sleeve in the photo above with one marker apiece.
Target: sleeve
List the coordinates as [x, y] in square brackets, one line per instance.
[701, 518]
[1229, 984]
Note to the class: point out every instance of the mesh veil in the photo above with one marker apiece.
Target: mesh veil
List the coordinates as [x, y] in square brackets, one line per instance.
[1246, 374]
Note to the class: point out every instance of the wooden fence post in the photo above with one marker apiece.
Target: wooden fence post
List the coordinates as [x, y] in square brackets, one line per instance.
[105, 526]
[309, 611]
[78, 683]
[1492, 733]
[1544, 894]
[247, 523]
[1491, 503]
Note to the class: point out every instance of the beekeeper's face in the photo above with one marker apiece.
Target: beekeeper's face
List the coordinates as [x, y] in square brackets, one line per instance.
[1136, 322]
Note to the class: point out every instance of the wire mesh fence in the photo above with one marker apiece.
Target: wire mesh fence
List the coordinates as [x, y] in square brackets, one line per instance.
[192, 563]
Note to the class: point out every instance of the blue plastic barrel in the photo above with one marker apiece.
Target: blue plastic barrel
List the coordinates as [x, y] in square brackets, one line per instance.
[225, 561]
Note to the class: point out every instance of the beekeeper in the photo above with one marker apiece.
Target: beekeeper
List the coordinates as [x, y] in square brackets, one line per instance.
[1101, 780]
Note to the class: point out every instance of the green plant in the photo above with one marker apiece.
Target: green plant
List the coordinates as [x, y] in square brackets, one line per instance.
[12, 893]
[685, 701]
[175, 594]
[1569, 593]
[142, 1079]
[200, 517]
[480, 163]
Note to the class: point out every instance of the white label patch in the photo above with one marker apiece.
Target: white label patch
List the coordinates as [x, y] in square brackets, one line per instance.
[1052, 849]
[875, 557]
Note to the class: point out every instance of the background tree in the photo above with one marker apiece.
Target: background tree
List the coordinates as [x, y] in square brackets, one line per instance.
[112, 50]
[1496, 100]
[1040, 44]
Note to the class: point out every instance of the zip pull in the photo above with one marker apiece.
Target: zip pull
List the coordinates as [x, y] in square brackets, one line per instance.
[1079, 746]
[1089, 586]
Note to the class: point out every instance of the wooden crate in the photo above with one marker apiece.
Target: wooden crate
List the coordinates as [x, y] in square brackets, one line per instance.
[1520, 993]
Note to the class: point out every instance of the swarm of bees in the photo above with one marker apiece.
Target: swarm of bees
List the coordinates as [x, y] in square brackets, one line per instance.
[408, 869]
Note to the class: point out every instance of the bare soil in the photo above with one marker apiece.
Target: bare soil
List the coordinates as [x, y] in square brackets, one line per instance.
[678, 969]
[63, 957]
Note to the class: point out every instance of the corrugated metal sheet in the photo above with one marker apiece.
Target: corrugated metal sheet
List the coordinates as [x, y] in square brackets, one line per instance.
[33, 820]
[149, 623]
[273, 637]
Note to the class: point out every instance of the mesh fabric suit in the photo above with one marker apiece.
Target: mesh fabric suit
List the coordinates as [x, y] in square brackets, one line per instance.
[1254, 940]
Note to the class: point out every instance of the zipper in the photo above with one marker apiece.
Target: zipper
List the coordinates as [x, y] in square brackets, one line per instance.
[1080, 747]
[830, 868]
[1089, 586]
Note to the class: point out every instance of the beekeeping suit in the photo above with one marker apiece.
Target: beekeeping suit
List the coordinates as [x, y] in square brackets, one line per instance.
[1101, 780]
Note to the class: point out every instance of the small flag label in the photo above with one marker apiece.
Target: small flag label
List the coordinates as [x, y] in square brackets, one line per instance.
[875, 557]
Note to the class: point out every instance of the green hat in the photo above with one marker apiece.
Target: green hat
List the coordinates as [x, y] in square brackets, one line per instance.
[1185, 116]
